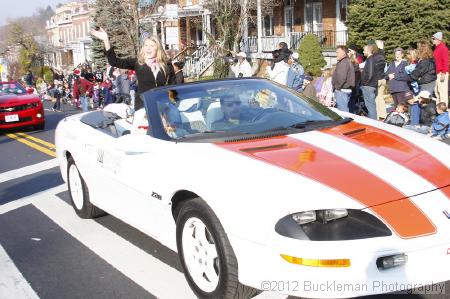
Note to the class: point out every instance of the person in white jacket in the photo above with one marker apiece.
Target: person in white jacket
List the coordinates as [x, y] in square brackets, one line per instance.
[242, 68]
[279, 73]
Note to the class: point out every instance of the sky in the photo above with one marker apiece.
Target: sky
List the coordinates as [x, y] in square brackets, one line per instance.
[22, 8]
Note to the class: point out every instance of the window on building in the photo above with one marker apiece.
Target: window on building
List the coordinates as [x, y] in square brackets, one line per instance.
[268, 25]
[313, 15]
[343, 9]
[288, 15]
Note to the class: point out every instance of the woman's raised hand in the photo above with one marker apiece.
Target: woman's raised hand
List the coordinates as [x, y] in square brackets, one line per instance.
[100, 34]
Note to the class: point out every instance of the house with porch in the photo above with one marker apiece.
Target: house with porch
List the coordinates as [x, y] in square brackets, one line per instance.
[289, 21]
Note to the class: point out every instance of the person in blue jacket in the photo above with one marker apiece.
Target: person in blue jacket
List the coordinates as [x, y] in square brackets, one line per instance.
[398, 79]
[441, 124]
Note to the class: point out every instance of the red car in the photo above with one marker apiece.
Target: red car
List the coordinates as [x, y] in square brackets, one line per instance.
[19, 107]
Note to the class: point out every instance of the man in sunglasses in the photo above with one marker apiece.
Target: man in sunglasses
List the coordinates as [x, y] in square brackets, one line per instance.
[233, 114]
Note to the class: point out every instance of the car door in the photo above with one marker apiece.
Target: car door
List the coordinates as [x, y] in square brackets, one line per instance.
[129, 171]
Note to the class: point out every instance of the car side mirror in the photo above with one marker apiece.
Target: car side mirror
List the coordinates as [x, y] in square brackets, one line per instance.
[30, 90]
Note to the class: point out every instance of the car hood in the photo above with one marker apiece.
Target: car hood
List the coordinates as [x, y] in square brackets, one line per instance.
[13, 99]
[350, 158]
[369, 165]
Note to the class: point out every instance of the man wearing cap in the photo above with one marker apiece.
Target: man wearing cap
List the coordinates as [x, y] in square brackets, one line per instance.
[441, 60]
[242, 68]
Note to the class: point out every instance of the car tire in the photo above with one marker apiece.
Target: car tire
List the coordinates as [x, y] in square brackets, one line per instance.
[214, 275]
[79, 193]
[39, 127]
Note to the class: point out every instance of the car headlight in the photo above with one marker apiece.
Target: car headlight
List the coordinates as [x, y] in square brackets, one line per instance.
[32, 105]
[322, 216]
[332, 225]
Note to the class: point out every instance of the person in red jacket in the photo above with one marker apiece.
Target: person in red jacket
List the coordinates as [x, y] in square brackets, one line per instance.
[82, 89]
[441, 60]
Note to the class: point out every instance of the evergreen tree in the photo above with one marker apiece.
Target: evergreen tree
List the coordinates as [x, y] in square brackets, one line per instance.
[310, 53]
[119, 19]
[400, 23]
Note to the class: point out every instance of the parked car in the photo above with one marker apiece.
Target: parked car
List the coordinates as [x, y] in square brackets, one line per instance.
[260, 188]
[19, 107]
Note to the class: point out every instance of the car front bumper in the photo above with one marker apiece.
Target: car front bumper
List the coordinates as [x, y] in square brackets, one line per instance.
[263, 268]
[26, 118]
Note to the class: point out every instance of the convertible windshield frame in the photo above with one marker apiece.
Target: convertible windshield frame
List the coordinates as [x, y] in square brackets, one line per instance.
[163, 103]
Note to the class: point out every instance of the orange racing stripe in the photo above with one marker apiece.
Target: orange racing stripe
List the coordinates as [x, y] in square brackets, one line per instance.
[394, 207]
[396, 149]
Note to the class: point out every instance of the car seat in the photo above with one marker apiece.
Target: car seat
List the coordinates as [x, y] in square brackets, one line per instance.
[213, 114]
[191, 115]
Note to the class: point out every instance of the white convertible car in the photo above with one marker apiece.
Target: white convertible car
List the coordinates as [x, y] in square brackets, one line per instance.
[259, 188]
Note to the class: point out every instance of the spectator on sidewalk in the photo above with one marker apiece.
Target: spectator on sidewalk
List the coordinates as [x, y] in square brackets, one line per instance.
[82, 90]
[279, 72]
[325, 95]
[399, 117]
[380, 68]
[427, 113]
[123, 87]
[242, 67]
[296, 72]
[356, 90]
[369, 79]
[442, 68]
[353, 51]
[440, 127]
[425, 71]
[29, 79]
[308, 88]
[178, 68]
[412, 60]
[398, 79]
[343, 79]
[261, 71]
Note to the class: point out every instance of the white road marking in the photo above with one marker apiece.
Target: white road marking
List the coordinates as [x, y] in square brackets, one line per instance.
[12, 283]
[16, 204]
[27, 170]
[150, 273]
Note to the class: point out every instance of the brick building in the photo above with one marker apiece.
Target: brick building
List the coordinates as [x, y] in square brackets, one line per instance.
[68, 35]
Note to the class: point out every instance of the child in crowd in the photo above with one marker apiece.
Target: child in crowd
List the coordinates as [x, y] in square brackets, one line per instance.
[399, 117]
[440, 127]
[325, 94]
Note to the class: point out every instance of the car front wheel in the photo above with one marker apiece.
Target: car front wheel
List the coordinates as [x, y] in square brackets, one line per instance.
[79, 193]
[208, 260]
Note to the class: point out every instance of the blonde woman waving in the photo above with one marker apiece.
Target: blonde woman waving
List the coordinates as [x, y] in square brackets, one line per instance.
[151, 66]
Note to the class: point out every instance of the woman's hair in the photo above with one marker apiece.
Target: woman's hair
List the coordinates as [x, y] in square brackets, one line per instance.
[424, 50]
[412, 55]
[161, 56]
[261, 71]
[353, 58]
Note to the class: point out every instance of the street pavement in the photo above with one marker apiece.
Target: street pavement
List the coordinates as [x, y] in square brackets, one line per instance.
[46, 251]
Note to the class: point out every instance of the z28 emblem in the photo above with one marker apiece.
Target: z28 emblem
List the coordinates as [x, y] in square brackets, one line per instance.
[156, 195]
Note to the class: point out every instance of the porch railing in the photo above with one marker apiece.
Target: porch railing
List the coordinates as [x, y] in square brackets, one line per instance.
[327, 39]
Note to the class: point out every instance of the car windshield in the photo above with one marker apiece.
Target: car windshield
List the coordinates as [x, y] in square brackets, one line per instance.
[8, 88]
[235, 107]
